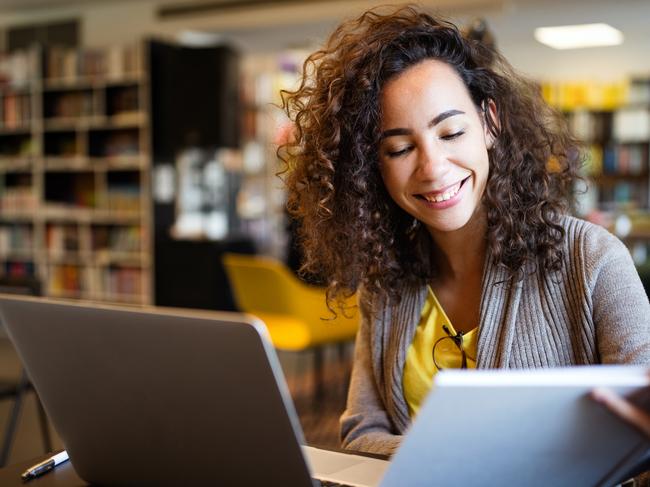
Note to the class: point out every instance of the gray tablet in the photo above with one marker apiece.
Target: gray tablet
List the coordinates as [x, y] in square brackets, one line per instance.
[521, 427]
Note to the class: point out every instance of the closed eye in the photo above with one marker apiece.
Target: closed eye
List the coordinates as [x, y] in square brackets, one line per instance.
[453, 136]
[398, 153]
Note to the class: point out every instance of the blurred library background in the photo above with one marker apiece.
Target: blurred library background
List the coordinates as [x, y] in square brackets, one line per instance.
[138, 137]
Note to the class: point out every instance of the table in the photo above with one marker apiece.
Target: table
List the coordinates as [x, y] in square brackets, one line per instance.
[63, 475]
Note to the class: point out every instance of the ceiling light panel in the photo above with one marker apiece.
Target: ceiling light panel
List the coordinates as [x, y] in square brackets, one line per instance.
[579, 36]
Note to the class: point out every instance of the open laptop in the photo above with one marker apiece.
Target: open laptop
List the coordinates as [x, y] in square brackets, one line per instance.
[169, 397]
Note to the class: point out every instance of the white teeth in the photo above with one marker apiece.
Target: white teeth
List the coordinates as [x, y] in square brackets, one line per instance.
[450, 193]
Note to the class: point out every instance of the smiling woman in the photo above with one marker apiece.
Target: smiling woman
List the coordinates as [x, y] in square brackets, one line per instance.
[436, 168]
[420, 172]
[339, 127]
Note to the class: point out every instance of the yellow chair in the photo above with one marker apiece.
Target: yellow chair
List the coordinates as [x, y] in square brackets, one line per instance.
[295, 313]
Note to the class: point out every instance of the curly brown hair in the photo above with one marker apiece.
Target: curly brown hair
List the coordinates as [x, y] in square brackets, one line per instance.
[352, 232]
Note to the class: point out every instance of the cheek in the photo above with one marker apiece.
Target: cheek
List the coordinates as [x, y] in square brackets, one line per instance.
[385, 173]
[393, 179]
[484, 165]
[480, 159]
[483, 172]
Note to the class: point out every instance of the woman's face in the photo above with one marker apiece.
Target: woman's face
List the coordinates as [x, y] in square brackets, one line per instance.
[434, 148]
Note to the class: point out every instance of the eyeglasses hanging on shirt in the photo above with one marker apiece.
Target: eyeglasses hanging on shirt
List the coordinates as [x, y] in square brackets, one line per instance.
[437, 351]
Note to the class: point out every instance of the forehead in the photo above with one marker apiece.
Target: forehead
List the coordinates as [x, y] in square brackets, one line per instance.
[428, 85]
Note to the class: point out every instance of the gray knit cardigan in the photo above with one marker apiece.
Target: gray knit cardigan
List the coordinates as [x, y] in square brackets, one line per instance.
[594, 310]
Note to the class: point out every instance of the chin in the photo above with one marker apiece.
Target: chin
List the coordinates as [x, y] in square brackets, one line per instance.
[444, 228]
[447, 225]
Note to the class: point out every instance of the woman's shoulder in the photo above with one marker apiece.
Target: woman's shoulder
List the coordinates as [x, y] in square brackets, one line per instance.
[593, 244]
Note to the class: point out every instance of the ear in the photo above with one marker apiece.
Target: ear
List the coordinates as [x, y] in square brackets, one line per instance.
[490, 112]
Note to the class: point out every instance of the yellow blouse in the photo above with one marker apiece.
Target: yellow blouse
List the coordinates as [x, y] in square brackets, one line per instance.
[419, 368]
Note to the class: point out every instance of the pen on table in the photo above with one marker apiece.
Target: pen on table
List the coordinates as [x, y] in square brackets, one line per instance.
[45, 466]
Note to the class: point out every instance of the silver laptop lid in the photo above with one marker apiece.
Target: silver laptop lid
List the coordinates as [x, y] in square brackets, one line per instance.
[160, 397]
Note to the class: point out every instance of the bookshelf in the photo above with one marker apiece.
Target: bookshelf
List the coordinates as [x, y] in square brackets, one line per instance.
[613, 121]
[261, 200]
[75, 160]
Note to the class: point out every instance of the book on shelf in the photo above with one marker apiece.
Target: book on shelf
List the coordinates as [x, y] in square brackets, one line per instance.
[593, 95]
[16, 238]
[633, 159]
[623, 195]
[18, 269]
[114, 142]
[64, 279]
[61, 144]
[631, 125]
[18, 199]
[639, 92]
[19, 68]
[116, 283]
[118, 239]
[123, 281]
[590, 126]
[121, 143]
[122, 100]
[68, 104]
[593, 164]
[609, 160]
[61, 239]
[115, 62]
[123, 198]
[15, 111]
[624, 160]
[75, 189]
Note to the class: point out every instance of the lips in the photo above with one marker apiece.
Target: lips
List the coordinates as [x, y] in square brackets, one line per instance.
[444, 194]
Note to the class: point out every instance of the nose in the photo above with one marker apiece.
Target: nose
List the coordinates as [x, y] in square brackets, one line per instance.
[433, 162]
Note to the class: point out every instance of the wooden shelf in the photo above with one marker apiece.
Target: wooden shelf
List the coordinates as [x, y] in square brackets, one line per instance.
[20, 216]
[68, 258]
[84, 163]
[126, 119]
[107, 257]
[96, 122]
[65, 213]
[123, 298]
[64, 294]
[616, 178]
[123, 162]
[616, 150]
[16, 164]
[21, 130]
[21, 255]
[637, 236]
[66, 163]
[26, 89]
[138, 300]
[58, 124]
[56, 154]
[84, 83]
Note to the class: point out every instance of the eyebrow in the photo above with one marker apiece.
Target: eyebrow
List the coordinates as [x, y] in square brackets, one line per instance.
[435, 121]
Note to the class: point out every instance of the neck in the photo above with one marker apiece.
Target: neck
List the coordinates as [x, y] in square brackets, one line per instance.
[461, 253]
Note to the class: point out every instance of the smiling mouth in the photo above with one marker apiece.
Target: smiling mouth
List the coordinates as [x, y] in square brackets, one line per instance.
[439, 197]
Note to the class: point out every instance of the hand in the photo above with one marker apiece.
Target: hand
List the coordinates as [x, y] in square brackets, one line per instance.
[624, 408]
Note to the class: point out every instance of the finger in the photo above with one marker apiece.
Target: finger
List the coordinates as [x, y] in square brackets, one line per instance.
[626, 410]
